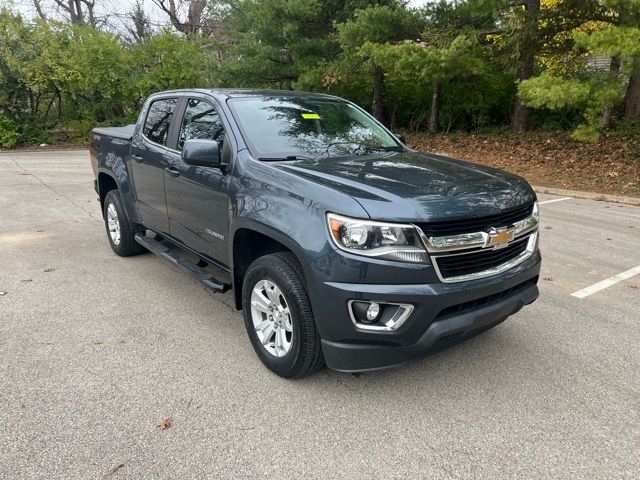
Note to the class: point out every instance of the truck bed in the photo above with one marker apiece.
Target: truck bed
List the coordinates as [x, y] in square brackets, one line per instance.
[123, 133]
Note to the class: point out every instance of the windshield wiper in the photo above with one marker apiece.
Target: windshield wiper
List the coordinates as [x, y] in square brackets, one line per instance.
[281, 159]
[358, 150]
[383, 149]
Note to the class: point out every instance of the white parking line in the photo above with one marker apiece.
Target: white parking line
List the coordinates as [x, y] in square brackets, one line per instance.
[596, 287]
[555, 200]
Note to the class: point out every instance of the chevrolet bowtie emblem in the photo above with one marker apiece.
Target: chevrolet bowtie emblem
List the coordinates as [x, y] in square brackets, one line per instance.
[498, 237]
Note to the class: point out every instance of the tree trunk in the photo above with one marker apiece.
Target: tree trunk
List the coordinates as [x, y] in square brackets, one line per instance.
[521, 113]
[631, 108]
[79, 15]
[527, 54]
[434, 115]
[377, 107]
[607, 112]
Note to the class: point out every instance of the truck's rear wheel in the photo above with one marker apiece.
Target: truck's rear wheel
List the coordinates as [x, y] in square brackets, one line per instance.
[278, 317]
[119, 231]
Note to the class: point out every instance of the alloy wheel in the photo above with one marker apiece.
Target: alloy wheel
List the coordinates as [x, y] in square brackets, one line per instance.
[271, 318]
[113, 224]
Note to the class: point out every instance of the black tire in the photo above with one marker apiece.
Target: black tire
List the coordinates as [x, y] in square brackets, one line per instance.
[126, 246]
[305, 354]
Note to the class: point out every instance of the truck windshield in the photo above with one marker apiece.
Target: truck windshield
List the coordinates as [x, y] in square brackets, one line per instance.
[277, 128]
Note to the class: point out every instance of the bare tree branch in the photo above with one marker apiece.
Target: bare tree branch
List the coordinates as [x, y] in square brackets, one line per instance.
[200, 18]
[38, 6]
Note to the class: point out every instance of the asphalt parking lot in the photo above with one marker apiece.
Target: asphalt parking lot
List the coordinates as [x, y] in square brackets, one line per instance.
[96, 350]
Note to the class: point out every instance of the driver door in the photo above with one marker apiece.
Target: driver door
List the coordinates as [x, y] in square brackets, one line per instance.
[197, 197]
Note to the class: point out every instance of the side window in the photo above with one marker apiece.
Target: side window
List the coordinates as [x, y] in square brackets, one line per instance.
[156, 126]
[200, 121]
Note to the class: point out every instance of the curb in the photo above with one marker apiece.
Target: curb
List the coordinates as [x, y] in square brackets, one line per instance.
[602, 197]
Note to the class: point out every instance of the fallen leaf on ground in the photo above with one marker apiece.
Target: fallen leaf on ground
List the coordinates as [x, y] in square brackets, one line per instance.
[548, 227]
[26, 280]
[166, 423]
[48, 270]
[114, 470]
[548, 279]
[2, 293]
[97, 343]
[633, 285]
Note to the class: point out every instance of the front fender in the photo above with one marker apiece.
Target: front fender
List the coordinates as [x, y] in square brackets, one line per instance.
[304, 255]
[286, 207]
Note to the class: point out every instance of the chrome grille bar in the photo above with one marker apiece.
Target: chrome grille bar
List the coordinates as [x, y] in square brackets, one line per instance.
[465, 241]
[467, 244]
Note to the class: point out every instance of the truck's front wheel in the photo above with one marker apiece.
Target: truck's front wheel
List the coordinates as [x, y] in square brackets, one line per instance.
[278, 317]
[119, 230]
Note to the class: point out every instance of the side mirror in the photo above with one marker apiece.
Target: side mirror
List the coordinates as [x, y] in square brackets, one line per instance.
[401, 137]
[201, 153]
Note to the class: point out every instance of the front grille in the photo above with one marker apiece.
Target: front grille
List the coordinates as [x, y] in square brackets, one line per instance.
[480, 224]
[480, 302]
[455, 265]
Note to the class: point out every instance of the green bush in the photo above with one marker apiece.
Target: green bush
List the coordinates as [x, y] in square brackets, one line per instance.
[9, 135]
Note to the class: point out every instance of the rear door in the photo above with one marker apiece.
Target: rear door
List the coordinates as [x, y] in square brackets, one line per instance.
[197, 197]
[149, 159]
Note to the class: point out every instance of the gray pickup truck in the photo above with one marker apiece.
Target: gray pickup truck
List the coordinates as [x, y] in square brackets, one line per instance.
[342, 246]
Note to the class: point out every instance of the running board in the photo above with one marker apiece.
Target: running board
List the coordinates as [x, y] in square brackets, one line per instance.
[190, 268]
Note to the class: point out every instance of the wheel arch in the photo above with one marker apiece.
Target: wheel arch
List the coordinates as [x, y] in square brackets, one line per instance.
[117, 178]
[252, 241]
[106, 183]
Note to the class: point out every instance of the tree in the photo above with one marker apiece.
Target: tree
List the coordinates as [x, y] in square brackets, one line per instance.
[588, 89]
[273, 42]
[79, 12]
[527, 48]
[167, 61]
[140, 28]
[621, 41]
[192, 16]
[529, 29]
[427, 64]
[632, 97]
[377, 25]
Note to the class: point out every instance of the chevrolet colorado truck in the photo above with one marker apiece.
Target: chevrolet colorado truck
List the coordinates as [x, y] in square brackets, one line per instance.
[342, 246]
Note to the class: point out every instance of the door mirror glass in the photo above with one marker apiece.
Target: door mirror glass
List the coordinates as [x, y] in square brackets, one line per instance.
[202, 153]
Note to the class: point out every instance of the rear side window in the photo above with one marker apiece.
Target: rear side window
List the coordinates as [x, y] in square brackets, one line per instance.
[200, 121]
[156, 126]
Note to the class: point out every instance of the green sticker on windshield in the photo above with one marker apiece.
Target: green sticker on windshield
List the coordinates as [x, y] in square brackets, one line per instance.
[311, 116]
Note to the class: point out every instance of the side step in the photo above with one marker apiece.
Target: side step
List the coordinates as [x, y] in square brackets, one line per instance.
[186, 266]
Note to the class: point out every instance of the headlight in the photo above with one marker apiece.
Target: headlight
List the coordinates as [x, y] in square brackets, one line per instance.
[389, 241]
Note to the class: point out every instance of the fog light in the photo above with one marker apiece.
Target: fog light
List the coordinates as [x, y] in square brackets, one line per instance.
[372, 315]
[373, 311]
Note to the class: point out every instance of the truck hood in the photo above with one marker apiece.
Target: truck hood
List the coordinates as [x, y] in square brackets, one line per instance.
[413, 186]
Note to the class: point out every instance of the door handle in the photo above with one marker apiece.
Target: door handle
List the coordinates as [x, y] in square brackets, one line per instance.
[172, 171]
[137, 158]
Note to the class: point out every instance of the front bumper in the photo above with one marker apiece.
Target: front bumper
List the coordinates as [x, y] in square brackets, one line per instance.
[444, 314]
[352, 357]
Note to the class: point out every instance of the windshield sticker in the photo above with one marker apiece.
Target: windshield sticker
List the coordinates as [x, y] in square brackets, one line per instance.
[311, 116]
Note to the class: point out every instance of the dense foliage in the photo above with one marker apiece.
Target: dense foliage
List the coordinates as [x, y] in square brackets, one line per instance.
[450, 65]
